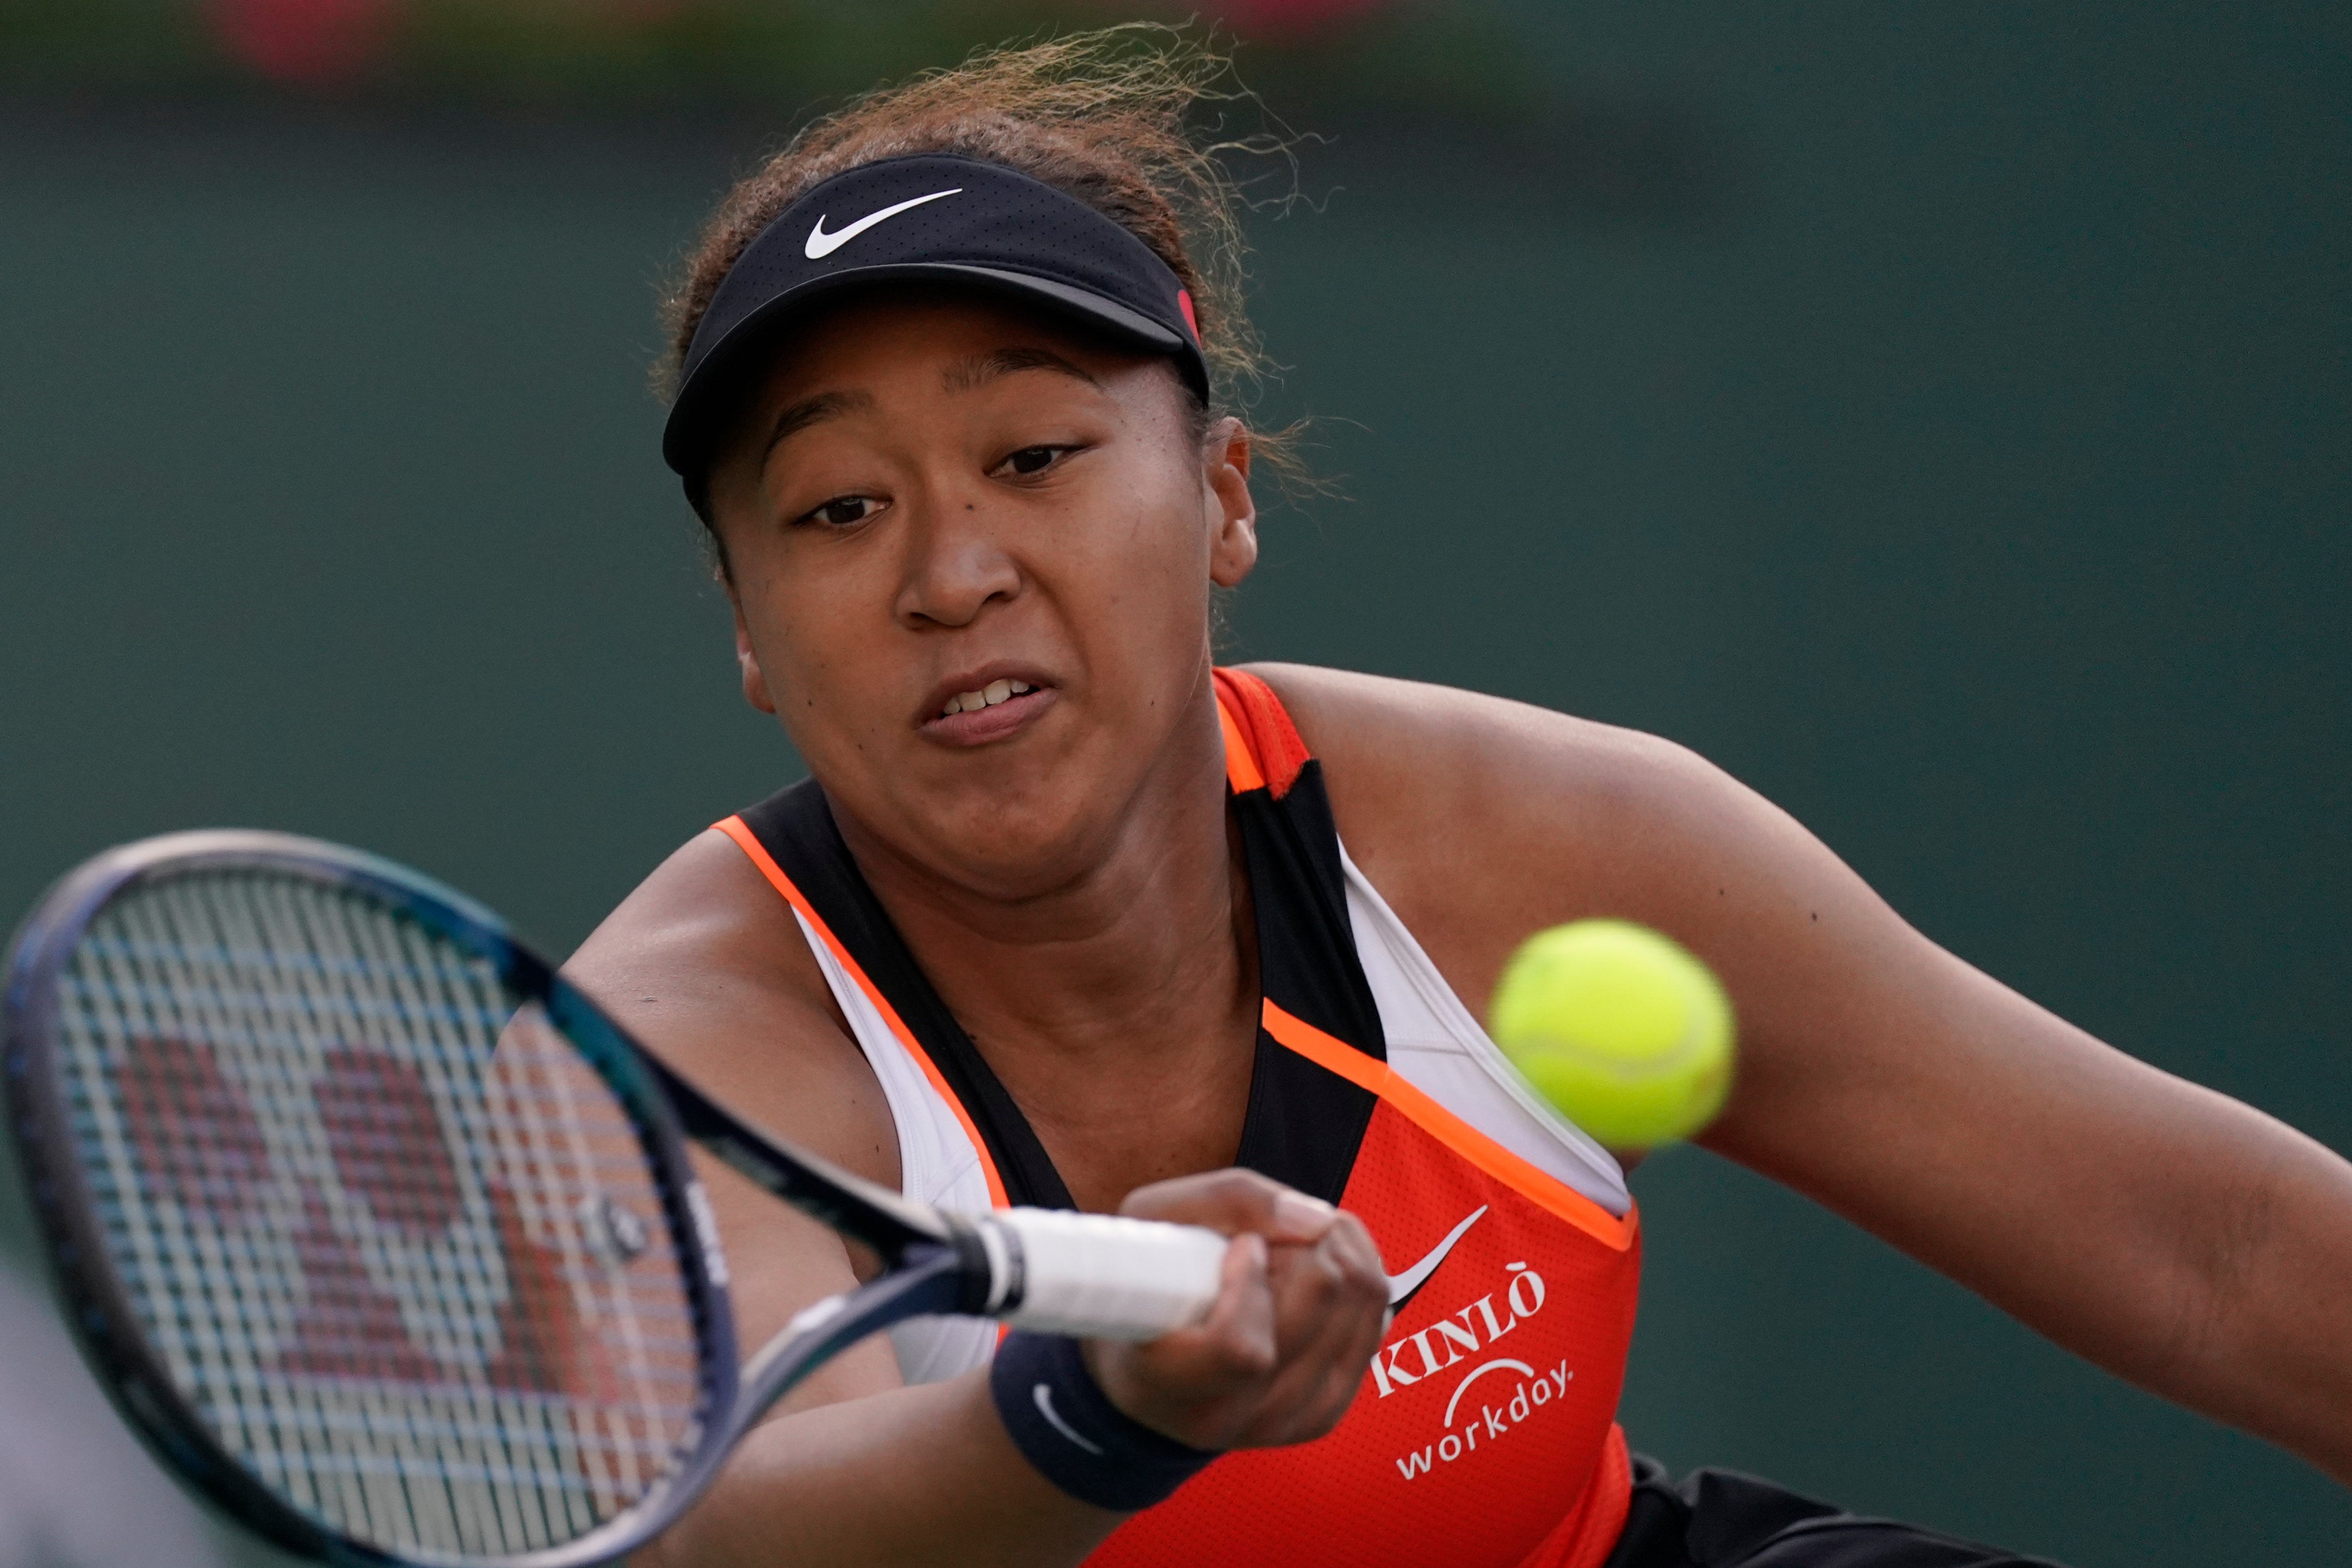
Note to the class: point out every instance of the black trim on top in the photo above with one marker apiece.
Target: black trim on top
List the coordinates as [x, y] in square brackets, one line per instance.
[1303, 1122]
[1306, 952]
[795, 826]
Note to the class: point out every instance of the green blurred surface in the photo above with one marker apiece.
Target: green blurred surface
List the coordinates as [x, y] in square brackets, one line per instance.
[1965, 465]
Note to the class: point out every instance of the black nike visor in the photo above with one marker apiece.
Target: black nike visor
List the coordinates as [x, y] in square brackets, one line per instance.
[934, 217]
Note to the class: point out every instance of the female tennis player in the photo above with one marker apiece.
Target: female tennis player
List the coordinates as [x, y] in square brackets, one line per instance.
[1067, 915]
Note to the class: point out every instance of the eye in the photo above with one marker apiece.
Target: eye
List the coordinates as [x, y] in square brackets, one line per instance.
[1031, 461]
[842, 511]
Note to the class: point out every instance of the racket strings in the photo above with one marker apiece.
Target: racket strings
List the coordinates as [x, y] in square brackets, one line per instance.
[396, 1243]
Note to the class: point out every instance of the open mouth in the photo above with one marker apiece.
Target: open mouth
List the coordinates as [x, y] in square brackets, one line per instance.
[987, 712]
[996, 693]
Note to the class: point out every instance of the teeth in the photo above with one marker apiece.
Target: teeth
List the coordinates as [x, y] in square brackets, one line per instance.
[987, 696]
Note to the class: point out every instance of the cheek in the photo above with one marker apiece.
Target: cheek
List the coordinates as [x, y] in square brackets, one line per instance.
[1141, 604]
[812, 641]
[1156, 531]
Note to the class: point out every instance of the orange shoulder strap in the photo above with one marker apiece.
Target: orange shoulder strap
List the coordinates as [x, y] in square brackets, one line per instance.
[1467, 1142]
[1263, 751]
[748, 842]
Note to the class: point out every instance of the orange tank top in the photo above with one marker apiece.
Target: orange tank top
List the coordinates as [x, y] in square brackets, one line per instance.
[1484, 1433]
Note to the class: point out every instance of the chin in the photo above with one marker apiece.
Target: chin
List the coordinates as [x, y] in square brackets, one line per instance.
[1033, 843]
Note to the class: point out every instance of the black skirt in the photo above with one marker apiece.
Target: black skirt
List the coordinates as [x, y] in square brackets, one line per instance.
[1722, 1518]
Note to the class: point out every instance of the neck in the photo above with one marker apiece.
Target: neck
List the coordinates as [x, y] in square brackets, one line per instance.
[1136, 976]
[1157, 917]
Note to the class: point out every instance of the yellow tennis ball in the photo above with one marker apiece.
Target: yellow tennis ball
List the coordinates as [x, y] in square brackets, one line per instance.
[1619, 1026]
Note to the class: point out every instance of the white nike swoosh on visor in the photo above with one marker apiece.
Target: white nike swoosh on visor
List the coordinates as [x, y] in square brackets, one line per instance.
[822, 245]
[1405, 1284]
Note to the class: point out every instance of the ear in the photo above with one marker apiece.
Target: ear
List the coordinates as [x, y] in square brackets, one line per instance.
[1229, 510]
[755, 685]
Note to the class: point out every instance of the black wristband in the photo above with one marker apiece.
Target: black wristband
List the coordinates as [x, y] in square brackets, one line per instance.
[1064, 1425]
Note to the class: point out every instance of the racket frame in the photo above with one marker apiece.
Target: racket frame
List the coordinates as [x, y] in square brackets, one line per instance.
[937, 1266]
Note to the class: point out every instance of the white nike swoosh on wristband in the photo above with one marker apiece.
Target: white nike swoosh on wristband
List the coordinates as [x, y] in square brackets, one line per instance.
[1405, 1284]
[1045, 1398]
[822, 245]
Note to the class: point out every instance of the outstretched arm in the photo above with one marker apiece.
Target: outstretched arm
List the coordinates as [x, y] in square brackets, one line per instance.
[2177, 1237]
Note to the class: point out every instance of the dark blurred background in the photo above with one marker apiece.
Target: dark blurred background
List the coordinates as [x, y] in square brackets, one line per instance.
[1935, 414]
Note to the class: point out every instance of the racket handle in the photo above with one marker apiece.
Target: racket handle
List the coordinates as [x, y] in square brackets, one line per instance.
[1099, 1276]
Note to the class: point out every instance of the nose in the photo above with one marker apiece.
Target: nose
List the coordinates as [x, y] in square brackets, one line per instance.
[955, 565]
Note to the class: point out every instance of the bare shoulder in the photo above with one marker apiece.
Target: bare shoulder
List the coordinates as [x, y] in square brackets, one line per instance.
[1445, 743]
[704, 964]
[1481, 819]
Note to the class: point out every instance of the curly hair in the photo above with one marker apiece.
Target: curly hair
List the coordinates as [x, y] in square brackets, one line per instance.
[1103, 116]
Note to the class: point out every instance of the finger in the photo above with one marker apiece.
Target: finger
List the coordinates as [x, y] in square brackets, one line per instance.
[1328, 1405]
[1338, 1279]
[1333, 1373]
[1232, 1201]
[1359, 1254]
[1235, 1344]
[1329, 1313]
[1200, 1385]
[1242, 1320]
[1313, 1390]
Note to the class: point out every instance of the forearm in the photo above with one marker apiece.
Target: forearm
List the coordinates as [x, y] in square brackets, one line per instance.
[913, 1476]
[2173, 1235]
[2272, 1350]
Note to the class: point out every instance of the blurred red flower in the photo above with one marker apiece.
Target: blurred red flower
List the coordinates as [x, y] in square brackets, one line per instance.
[312, 42]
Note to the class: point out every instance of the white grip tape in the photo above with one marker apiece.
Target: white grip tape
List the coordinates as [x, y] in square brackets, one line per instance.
[1099, 1276]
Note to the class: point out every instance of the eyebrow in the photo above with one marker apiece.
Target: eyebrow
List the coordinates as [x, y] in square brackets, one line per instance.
[963, 376]
[814, 410]
[966, 375]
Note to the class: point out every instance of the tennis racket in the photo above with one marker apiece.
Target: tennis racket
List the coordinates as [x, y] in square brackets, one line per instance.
[384, 1235]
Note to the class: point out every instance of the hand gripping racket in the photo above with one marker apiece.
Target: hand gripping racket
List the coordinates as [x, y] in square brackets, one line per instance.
[384, 1235]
